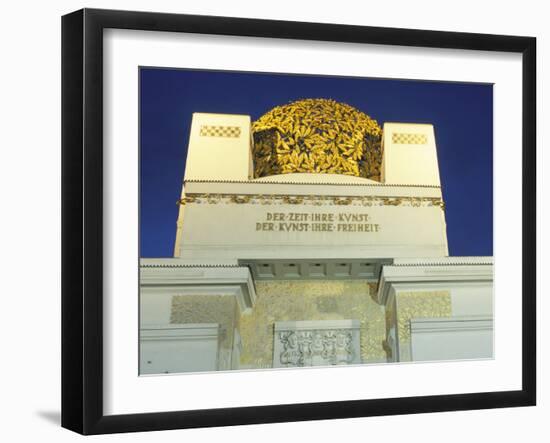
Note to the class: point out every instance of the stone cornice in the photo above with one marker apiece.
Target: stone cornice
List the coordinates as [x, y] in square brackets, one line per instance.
[432, 272]
[447, 261]
[181, 265]
[275, 182]
[218, 280]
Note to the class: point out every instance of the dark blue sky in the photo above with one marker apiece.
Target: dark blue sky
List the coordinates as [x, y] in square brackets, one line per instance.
[462, 114]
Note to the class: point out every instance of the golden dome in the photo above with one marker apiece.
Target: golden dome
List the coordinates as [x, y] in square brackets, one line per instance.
[317, 135]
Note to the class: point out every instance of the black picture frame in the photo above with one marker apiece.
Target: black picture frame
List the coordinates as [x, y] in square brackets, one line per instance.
[82, 218]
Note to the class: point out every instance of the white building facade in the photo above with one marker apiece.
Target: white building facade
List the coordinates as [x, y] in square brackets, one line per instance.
[317, 264]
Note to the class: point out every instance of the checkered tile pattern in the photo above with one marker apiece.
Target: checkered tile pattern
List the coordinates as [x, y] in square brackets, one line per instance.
[220, 131]
[401, 138]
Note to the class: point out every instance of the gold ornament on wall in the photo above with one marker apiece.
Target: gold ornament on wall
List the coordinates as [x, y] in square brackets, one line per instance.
[317, 136]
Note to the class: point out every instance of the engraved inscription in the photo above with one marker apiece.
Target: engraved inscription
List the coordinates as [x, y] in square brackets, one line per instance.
[317, 222]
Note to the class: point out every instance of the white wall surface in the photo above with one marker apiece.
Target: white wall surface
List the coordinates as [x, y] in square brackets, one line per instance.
[30, 183]
[465, 337]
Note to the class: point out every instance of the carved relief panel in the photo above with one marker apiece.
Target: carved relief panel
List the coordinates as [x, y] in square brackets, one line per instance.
[316, 343]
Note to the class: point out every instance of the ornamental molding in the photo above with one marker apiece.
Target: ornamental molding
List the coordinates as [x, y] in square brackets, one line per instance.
[190, 266]
[452, 324]
[275, 182]
[188, 331]
[302, 348]
[440, 264]
[310, 200]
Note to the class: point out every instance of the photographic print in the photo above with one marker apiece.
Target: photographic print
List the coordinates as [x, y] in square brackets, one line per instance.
[268, 216]
[290, 221]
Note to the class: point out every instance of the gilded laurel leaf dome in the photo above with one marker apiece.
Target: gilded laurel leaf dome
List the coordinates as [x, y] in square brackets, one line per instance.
[317, 136]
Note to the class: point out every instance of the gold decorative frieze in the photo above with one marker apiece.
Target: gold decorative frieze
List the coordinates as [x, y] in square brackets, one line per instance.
[402, 138]
[310, 200]
[220, 131]
[293, 199]
[239, 199]
[317, 136]
[306, 183]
